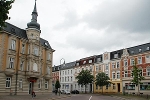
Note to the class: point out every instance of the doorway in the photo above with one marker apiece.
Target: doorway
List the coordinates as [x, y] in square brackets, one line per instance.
[30, 87]
[118, 85]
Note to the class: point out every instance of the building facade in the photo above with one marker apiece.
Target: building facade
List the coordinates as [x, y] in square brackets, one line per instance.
[139, 55]
[67, 76]
[55, 76]
[25, 59]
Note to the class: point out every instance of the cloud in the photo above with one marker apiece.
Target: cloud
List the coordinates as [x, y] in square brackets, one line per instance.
[124, 15]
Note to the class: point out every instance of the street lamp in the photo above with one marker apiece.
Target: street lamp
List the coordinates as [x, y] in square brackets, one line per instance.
[60, 71]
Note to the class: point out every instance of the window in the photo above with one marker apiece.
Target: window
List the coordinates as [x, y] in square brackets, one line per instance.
[148, 71]
[117, 65]
[113, 75]
[147, 58]
[84, 62]
[129, 86]
[82, 68]
[28, 66]
[132, 52]
[139, 60]
[147, 48]
[20, 83]
[100, 87]
[77, 64]
[106, 73]
[97, 68]
[125, 73]
[100, 68]
[68, 78]
[49, 56]
[125, 63]
[48, 70]
[106, 86]
[71, 78]
[46, 84]
[90, 61]
[11, 62]
[140, 50]
[90, 68]
[98, 59]
[39, 84]
[35, 67]
[36, 51]
[68, 71]
[21, 65]
[145, 86]
[23, 48]
[113, 65]
[132, 62]
[118, 75]
[106, 67]
[71, 71]
[115, 55]
[131, 73]
[8, 82]
[13, 45]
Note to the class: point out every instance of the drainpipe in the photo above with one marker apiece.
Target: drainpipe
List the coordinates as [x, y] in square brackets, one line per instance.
[17, 68]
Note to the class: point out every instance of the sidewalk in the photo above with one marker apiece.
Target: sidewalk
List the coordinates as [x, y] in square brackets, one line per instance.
[129, 97]
[29, 97]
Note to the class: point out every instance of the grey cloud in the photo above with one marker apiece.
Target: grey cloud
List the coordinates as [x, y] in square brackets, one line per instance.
[70, 20]
[132, 16]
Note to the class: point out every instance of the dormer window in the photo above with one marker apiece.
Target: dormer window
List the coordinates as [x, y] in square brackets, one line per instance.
[132, 52]
[46, 44]
[90, 61]
[77, 64]
[84, 62]
[147, 48]
[115, 55]
[140, 50]
[98, 59]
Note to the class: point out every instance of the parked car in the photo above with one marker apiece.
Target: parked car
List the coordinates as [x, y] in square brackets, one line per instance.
[62, 91]
[75, 92]
[66, 92]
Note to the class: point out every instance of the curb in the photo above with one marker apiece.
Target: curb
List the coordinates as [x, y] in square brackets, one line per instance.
[59, 97]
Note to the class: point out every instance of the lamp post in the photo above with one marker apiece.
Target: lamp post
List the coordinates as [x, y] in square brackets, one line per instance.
[60, 71]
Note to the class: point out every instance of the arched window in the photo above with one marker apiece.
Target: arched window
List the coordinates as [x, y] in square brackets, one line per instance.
[35, 67]
[48, 70]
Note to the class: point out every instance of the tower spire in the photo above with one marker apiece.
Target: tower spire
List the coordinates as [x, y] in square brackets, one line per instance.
[33, 23]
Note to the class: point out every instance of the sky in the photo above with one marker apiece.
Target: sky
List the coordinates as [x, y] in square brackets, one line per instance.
[81, 28]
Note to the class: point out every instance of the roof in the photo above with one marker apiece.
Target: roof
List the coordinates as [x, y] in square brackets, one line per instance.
[21, 33]
[139, 49]
[68, 65]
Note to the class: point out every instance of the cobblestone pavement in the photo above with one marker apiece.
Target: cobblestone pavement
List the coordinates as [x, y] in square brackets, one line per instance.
[29, 97]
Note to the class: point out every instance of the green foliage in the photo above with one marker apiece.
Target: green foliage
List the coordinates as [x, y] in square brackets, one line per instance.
[102, 79]
[5, 6]
[137, 77]
[57, 85]
[85, 77]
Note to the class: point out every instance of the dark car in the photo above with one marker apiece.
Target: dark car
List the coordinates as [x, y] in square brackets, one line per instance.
[75, 92]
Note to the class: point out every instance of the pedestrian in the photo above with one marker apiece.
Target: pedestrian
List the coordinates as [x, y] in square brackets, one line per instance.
[56, 92]
[33, 94]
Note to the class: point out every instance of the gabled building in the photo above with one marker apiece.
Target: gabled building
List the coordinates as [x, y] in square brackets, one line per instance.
[55, 76]
[84, 64]
[25, 59]
[141, 56]
[67, 76]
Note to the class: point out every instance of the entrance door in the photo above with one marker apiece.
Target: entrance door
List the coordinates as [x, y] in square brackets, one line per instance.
[91, 88]
[118, 85]
[30, 87]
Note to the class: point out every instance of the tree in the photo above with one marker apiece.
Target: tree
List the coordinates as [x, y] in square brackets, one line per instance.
[137, 75]
[101, 80]
[57, 84]
[85, 78]
[5, 6]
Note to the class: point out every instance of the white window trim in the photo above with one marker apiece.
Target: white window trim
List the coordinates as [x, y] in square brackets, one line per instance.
[11, 62]
[20, 83]
[46, 84]
[8, 81]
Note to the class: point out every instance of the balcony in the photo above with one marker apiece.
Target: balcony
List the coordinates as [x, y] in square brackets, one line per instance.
[47, 76]
[9, 71]
[32, 74]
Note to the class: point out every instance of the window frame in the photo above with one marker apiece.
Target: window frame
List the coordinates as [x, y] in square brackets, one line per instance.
[8, 82]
